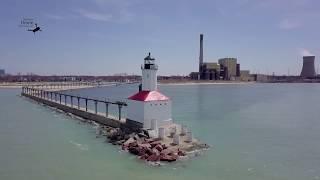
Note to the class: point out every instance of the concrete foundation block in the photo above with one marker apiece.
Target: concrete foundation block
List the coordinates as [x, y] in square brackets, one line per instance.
[183, 130]
[189, 137]
[162, 133]
[176, 139]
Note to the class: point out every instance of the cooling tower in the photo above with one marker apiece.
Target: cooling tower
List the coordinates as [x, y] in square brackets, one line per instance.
[308, 69]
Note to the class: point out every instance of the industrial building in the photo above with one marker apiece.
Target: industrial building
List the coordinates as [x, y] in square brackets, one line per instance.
[2, 72]
[224, 69]
[210, 71]
[308, 69]
[245, 75]
[230, 66]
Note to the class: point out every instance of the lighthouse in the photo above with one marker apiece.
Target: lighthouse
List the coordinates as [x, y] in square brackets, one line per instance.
[148, 105]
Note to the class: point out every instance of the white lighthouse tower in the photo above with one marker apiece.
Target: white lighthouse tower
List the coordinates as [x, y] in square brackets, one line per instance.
[149, 105]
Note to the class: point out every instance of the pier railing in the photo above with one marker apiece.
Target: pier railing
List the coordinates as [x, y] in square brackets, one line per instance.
[74, 100]
[67, 85]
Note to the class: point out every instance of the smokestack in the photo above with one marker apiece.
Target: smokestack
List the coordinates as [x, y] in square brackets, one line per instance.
[201, 53]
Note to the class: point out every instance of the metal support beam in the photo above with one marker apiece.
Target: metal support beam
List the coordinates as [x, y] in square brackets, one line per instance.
[107, 109]
[120, 107]
[96, 107]
[86, 104]
[78, 102]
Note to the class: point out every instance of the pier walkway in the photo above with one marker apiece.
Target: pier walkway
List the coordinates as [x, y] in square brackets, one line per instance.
[72, 104]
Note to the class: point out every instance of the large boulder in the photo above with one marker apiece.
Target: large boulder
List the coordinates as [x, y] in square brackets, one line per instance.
[164, 146]
[181, 153]
[142, 151]
[142, 135]
[153, 158]
[144, 145]
[149, 151]
[120, 142]
[155, 143]
[130, 140]
[167, 152]
[168, 158]
[133, 144]
[155, 151]
[144, 157]
[124, 147]
[134, 150]
[158, 147]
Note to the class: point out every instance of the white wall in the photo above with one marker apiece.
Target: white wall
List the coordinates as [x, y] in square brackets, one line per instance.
[135, 111]
[149, 79]
[153, 110]
[144, 112]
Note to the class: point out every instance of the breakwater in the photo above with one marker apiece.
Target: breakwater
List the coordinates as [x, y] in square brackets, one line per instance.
[154, 145]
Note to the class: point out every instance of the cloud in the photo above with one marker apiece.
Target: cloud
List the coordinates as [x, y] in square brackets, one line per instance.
[289, 24]
[94, 15]
[284, 4]
[305, 52]
[53, 16]
[116, 11]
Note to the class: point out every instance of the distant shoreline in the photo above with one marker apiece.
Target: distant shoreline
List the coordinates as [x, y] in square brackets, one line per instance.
[45, 85]
[193, 82]
[16, 85]
[205, 83]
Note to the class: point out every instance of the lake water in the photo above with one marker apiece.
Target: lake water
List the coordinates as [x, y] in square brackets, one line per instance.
[257, 132]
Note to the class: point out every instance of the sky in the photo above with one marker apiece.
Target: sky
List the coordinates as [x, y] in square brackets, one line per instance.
[106, 37]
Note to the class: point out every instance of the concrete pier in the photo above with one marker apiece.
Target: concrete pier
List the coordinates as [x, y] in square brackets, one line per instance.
[50, 98]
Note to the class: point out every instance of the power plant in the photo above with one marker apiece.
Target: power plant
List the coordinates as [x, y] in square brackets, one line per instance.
[308, 69]
[224, 69]
[228, 69]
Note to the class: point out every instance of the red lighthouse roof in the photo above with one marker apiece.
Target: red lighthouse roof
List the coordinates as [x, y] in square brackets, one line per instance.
[148, 96]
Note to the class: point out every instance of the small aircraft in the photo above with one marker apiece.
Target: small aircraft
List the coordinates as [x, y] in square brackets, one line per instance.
[37, 28]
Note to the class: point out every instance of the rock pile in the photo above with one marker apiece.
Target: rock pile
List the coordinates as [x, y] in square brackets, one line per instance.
[140, 144]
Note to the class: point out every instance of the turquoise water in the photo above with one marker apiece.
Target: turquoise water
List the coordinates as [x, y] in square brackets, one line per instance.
[257, 131]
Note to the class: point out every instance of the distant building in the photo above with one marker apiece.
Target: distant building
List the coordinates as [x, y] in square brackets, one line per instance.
[225, 69]
[308, 69]
[230, 65]
[2, 72]
[238, 70]
[261, 77]
[210, 71]
[194, 75]
[245, 75]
